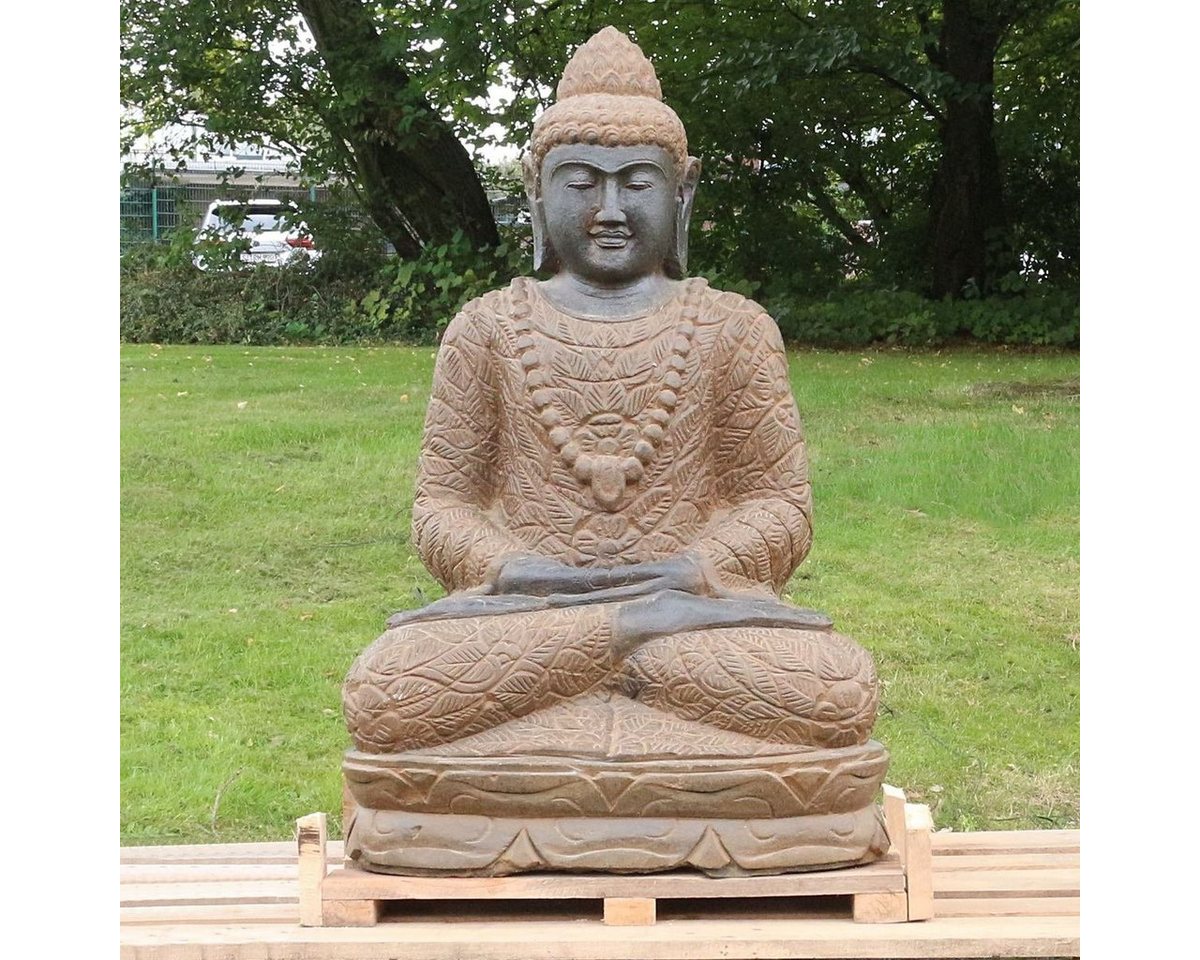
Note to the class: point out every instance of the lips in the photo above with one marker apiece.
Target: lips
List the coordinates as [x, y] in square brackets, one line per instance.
[610, 239]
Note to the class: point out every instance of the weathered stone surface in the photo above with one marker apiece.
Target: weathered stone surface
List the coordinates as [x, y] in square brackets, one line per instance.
[613, 489]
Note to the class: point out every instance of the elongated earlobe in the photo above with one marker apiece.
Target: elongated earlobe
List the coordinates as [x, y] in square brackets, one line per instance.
[676, 265]
[543, 256]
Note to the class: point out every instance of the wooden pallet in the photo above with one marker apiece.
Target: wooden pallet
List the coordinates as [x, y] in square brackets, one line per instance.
[896, 889]
[997, 894]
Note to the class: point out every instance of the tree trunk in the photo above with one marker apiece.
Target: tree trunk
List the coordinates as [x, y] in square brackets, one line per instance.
[968, 224]
[418, 181]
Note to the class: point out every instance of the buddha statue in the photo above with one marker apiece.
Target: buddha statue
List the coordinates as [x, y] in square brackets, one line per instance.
[613, 490]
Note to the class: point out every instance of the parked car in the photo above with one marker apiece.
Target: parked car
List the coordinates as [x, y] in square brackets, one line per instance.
[269, 231]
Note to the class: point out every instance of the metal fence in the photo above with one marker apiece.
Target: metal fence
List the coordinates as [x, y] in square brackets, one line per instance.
[150, 212]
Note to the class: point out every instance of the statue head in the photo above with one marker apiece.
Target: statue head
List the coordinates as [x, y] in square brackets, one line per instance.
[609, 179]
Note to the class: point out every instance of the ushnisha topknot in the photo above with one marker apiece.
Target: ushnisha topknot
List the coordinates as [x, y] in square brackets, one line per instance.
[609, 95]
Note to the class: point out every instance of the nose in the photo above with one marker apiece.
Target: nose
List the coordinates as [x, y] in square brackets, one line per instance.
[610, 211]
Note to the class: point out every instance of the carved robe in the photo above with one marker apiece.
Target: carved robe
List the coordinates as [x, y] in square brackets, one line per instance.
[599, 442]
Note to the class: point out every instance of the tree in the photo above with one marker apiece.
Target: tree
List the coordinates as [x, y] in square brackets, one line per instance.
[318, 78]
[925, 144]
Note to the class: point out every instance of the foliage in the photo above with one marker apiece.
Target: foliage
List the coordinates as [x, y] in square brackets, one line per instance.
[820, 125]
[313, 78]
[265, 539]
[415, 299]
[1040, 317]
[352, 294]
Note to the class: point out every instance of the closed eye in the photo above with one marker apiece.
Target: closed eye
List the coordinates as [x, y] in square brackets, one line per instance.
[580, 185]
[639, 185]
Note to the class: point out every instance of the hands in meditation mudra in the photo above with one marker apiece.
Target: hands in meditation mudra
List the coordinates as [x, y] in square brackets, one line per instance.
[613, 489]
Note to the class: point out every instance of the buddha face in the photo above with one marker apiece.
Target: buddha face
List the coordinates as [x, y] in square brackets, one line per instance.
[610, 212]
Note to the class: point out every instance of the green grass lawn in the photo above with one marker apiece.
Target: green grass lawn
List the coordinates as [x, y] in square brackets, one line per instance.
[265, 525]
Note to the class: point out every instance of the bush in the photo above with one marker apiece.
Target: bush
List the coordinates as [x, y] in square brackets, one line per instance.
[858, 317]
[354, 293]
[415, 299]
[351, 295]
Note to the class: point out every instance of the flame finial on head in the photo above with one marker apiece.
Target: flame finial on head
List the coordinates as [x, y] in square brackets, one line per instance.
[609, 95]
[609, 63]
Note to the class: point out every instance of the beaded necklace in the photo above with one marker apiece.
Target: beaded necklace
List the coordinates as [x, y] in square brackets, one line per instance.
[589, 450]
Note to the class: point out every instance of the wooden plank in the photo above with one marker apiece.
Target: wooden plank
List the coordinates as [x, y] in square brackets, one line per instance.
[347, 883]
[197, 872]
[918, 869]
[1009, 894]
[1005, 861]
[893, 816]
[1008, 907]
[312, 832]
[281, 852]
[209, 892]
[629, 911]
[820, 939]
[1006, 841]
[1027, 883]
[880, 907]
[213, 913]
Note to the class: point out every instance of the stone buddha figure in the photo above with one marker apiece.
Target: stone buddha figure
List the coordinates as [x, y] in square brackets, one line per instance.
[613, 489]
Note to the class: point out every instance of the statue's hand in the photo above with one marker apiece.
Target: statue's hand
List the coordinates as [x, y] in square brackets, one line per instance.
[541, 577]
[685, 572]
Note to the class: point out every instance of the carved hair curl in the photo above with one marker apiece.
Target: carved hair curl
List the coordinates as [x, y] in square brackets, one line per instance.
[610, 121]
[609, 95]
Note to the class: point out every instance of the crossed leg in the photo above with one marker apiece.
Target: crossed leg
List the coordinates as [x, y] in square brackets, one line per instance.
[754, 668]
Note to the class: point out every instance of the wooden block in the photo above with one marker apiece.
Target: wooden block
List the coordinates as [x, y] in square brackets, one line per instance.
[893, 816]
[311, 835]
[350, 913]
[880, 908]
[629, 911]
[349, 808]
[918, 868]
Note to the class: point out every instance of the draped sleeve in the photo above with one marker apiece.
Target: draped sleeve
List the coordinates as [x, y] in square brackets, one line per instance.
[455, 530]
[762, 527]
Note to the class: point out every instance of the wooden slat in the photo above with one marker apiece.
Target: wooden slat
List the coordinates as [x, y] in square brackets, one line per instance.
[1029, 883]
[1009, 907]
[213, 913]
[572, 940]
[353, 884]
[217, 891]
[282, 852]
[1005, 861]
[1009, 894]
[197, 872]
[1007, 841]
[893, 815]
[311, 837]
[918, 868]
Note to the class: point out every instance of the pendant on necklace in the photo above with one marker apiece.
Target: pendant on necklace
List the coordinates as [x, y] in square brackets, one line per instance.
[608, 481]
